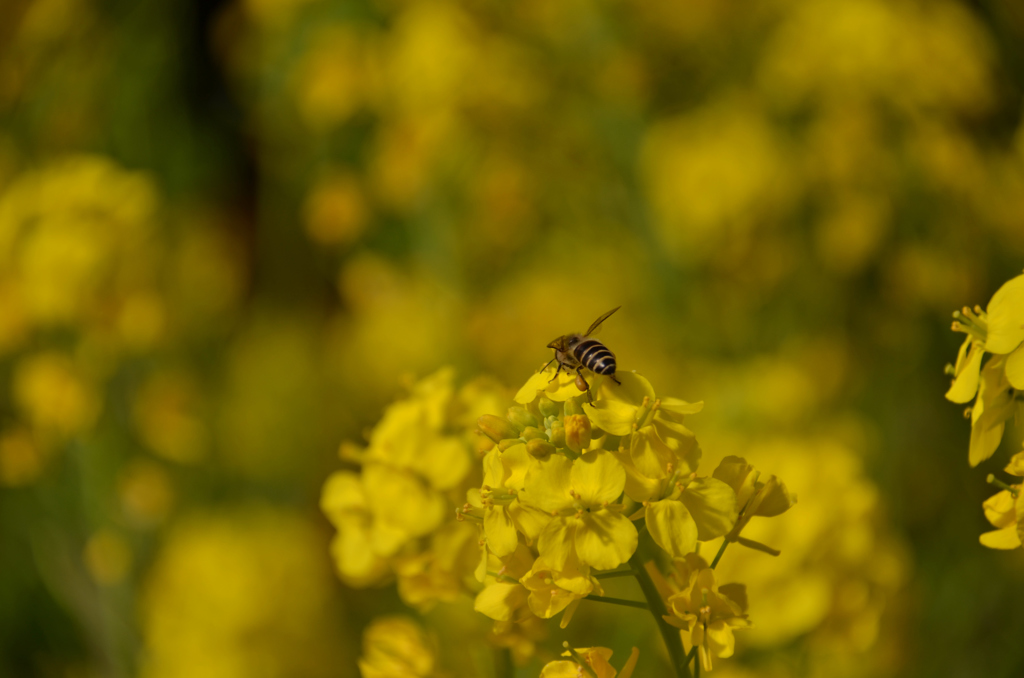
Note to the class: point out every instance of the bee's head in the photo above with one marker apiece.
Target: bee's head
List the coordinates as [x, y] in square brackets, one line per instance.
[559, 344]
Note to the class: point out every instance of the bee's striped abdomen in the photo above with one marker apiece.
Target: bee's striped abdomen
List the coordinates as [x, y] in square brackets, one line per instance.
[595, 356]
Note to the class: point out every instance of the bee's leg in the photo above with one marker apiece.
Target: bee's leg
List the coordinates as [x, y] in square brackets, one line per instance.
[579, 373]
[556, 371]
[615, 380]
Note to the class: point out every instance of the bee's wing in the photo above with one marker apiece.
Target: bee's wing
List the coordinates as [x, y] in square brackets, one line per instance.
[600, 320]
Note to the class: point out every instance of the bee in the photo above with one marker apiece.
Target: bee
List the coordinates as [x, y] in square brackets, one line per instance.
[575, 351]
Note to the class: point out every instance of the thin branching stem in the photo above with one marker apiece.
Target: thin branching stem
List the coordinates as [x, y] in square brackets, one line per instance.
[620, 601]
[669, 633]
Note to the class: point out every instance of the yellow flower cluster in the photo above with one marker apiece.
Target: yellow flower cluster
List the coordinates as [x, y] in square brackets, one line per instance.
[212, 603]
[78, 291]
[567, 480]
[999, 330]
[551, 507]
[395, 516]
[1005, 510]
[589, 661]
[397, 647]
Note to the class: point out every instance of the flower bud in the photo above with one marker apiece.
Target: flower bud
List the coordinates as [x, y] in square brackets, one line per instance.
[509, 442]
[577, 433]
[520, 418]
[548, 407]
[573, 406]
[533, 433]
[496, 428]
[557, 436]
[541, 449]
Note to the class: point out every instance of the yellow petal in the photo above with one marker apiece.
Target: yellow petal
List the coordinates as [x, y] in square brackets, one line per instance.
[1006, 317]
[1015, 367]
[598, 478]
[614, 416]
[560, 669]
[965, 385]
[651, 456]
[1016, 465]
[500, 600]
[638, 487]
[444, 462]
[720, 639]
[678, 408]
[502, 537]
[342, 495]
[557, 541]
[605, 539]
[516, 461]
[494, 470]
[528, 520]
[776, 499]
[548, 484]
[549, 601]
[402, 500]
[671, 527]
[559, 390]
[999, 509]
[712, 504]
[615, 406]
[357, 563]
[984, 440]
[991, 409]
[739, 475]
[630, 665]
[1004, 539]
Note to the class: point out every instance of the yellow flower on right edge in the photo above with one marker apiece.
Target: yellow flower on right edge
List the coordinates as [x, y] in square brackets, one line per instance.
[998, 330]
[1005, 510]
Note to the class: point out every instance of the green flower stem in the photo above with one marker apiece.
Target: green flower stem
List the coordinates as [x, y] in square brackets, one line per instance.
[669, 633]
[718, 556]
[619, 601]
[613, 574]
[992, 480]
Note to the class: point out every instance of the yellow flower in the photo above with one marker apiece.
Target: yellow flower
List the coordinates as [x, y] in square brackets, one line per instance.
[596, 661]
[754, 497]
[54, 395]
[504, 595]
[587, 525]
[504, 516]
[396, 647]
[397, 514]
[708, 614]
[1005, 510]
[552, 591]
[354, 547]
[696, 510]
[238, 563]
[998, 330]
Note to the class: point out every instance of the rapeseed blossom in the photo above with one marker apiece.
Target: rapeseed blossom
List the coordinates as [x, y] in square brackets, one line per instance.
[705, 613]
[571, 487]
[397, 647]
[1005, 510]
[589, 661]
[998, 330]
[395, 516]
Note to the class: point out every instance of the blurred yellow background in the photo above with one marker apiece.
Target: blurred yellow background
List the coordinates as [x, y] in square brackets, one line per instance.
[232, 232]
